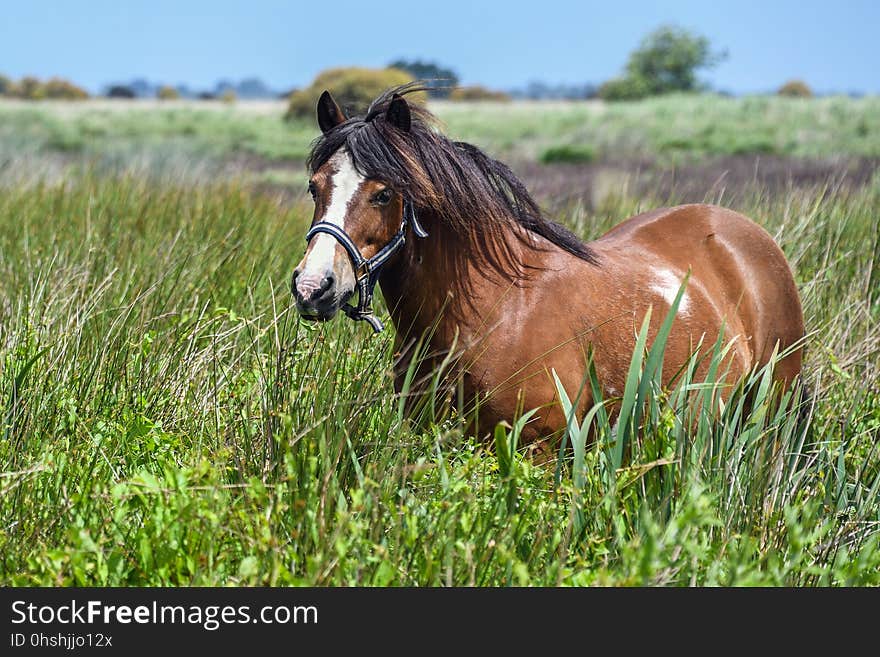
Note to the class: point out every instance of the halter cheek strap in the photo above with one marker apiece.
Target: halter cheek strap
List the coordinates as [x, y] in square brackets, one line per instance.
[366, 271]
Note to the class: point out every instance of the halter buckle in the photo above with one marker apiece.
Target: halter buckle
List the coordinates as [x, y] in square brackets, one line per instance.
[362, 270]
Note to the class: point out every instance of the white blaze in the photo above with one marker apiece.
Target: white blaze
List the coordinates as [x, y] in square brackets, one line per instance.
[343, 186]
[666, 284]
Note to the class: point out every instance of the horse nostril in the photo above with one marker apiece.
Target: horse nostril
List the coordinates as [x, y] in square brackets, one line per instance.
[293, 281]
[310, 290]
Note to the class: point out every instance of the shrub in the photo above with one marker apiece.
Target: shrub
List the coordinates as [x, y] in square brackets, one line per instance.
[65, 138]
[353, 88]
[60, 89]
[795, 89]
[669, 57]
[167, 92]
[752, 145]
[626, 88]
[228, 96]
[6, 86]
[30, 88]
[568, 154]
[120, 91]
[667, 60]
[478, 93]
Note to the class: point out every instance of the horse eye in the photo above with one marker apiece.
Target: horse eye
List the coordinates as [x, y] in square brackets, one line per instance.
[312, 189]
[383, 197]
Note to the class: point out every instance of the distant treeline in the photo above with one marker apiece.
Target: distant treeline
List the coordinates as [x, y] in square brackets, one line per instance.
[537, 90]
[248, 89]
[443, 82]
[668, 60]
[32, 88]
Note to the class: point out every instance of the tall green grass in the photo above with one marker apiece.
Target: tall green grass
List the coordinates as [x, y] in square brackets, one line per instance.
[166, 419]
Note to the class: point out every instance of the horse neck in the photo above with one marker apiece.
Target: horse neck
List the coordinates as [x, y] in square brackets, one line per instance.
[438, 285]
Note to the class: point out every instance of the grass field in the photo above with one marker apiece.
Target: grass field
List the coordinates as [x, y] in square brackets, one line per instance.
[167, 420]
[670, 129]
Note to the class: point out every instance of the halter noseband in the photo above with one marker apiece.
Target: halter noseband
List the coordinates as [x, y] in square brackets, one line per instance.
[366, 271]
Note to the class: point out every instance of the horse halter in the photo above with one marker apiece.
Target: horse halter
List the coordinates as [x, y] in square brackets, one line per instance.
[366, 271]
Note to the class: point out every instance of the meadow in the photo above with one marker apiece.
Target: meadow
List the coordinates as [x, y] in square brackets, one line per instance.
[167, 420]
[151, 135]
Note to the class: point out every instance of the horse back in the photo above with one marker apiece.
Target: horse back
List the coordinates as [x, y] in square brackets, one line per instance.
[733, 262]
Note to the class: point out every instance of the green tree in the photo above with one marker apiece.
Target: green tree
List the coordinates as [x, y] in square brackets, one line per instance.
[5, 85]
[669, 57]
[667, 60]
[120, 91]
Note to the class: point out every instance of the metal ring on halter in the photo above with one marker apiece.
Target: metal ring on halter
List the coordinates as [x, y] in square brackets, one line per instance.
[366, 271]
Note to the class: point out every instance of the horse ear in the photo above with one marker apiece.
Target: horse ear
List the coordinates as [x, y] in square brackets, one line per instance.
[398, 113]
[329, 114]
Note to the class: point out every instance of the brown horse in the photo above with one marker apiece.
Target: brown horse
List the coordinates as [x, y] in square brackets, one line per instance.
[464, 256]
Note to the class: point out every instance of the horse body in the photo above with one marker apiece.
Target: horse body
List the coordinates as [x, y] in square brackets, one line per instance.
[510, 335]
[509, 297]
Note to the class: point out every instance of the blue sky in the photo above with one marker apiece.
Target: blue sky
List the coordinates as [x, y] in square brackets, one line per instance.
[831, 45]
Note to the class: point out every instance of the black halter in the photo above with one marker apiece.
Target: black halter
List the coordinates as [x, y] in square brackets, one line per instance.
[367, 271]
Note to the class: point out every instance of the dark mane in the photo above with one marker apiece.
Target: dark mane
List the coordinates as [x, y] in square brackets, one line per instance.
[475, 194]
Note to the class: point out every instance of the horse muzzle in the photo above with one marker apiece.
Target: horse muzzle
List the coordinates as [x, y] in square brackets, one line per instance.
[317, 298]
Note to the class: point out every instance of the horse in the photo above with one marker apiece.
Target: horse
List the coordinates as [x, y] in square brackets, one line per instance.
[467, 261]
